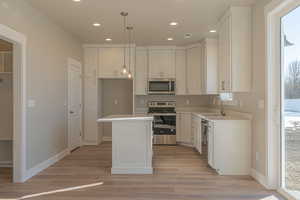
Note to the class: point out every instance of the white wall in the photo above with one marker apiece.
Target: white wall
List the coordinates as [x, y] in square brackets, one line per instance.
[48, 47]
[120, 90]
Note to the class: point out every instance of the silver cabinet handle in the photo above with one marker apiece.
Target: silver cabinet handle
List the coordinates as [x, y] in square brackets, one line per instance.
[223, 85]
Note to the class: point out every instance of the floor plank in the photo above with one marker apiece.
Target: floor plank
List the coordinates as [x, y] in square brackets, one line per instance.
[179, 173]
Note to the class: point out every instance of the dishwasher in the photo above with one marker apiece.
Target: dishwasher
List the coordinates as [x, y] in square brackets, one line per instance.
[208, 140]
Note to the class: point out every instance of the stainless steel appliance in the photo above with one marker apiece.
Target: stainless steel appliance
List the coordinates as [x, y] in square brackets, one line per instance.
[161, 86]
[164, 123]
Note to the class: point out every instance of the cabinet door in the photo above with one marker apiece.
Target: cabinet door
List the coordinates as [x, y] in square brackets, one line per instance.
[90, 95]
[111, 62]
[210, 66]
[178, 127]
[161, 63]
[186, 133]
[141, 72]
[224, 56]
[180, 72]
[194, 70]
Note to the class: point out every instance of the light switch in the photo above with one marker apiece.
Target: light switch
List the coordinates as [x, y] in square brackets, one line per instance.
[31, 103]
[261, 104]
[116, 101]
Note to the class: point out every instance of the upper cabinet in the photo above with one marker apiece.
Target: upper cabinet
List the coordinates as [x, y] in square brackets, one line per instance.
[210, 66]
[180, 65]
[111, 61]
[194, 71]
[235, 50]
[141, 71]
[161, 62]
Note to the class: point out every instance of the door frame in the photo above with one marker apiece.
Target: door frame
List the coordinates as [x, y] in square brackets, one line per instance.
[273, 13]
[19, 100]
[71, 63]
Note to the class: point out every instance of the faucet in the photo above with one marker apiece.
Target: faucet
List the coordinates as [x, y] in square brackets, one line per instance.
[222, 111]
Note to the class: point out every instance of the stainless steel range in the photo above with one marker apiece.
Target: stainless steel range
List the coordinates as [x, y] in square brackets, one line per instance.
[164, 124]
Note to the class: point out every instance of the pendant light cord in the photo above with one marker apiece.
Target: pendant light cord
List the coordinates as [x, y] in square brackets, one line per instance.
[124, 41]
[130, 28]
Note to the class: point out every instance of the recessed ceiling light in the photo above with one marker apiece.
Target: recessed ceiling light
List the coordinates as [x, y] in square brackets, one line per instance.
[96, 24]
[169, 39]
[108, 39]
[213, 31]
[187, 35]
[173, 23]
[76, 0]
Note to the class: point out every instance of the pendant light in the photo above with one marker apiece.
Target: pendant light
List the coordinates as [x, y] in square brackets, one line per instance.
[124, 68]
[129, 28]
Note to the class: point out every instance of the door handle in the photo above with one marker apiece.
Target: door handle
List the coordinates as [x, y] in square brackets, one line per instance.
[72, 112]
[223, 85]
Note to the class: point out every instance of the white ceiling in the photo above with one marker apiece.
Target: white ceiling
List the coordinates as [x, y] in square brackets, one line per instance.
[150, 18]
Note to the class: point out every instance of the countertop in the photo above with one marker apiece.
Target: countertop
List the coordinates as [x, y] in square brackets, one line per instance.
[212, 116]
[111, 118]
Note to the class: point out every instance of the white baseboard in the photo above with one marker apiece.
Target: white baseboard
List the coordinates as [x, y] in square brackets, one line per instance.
[47, 163]
[286, 194]
[90, 143]
[6, 164]
[106, 139]
[131, 171]
[185, 144]
[259, 178]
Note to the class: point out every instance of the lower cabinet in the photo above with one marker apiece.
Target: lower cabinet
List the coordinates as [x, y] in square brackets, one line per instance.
[229, 146]
[183, 128]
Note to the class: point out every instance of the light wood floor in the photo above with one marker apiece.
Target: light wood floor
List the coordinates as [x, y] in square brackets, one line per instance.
[180, 174]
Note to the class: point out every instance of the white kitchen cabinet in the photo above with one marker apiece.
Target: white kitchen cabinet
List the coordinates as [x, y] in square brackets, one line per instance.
[90, 111]
[194, 72]
[180, 64]
[210, 66]
[183, 128]
[141, 71]
[161, 62]
[229, 146]
[235, 38]
[111, 61]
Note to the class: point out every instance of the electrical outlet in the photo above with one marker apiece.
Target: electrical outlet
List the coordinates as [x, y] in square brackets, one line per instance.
[257, 156]
[142, 101]
[187, 102]
[31, 103]
[241, 104]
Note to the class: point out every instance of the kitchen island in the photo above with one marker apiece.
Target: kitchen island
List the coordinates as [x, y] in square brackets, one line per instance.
[131, 143]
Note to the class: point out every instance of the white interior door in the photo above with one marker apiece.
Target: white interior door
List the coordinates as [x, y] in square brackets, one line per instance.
[74, 104]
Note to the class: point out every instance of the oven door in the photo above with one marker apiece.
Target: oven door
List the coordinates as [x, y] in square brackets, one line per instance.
[164, 125]
[162, 86]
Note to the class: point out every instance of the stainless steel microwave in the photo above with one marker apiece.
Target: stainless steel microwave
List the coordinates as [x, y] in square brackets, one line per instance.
[161, 86]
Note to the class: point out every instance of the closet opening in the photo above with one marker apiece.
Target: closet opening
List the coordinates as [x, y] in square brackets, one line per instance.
[6, 111]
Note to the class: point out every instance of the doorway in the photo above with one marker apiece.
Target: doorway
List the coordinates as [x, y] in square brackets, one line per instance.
[74, 104]
[6, 108]
[290, 103]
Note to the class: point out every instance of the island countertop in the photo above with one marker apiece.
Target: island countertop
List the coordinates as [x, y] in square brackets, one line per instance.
[111, 118]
